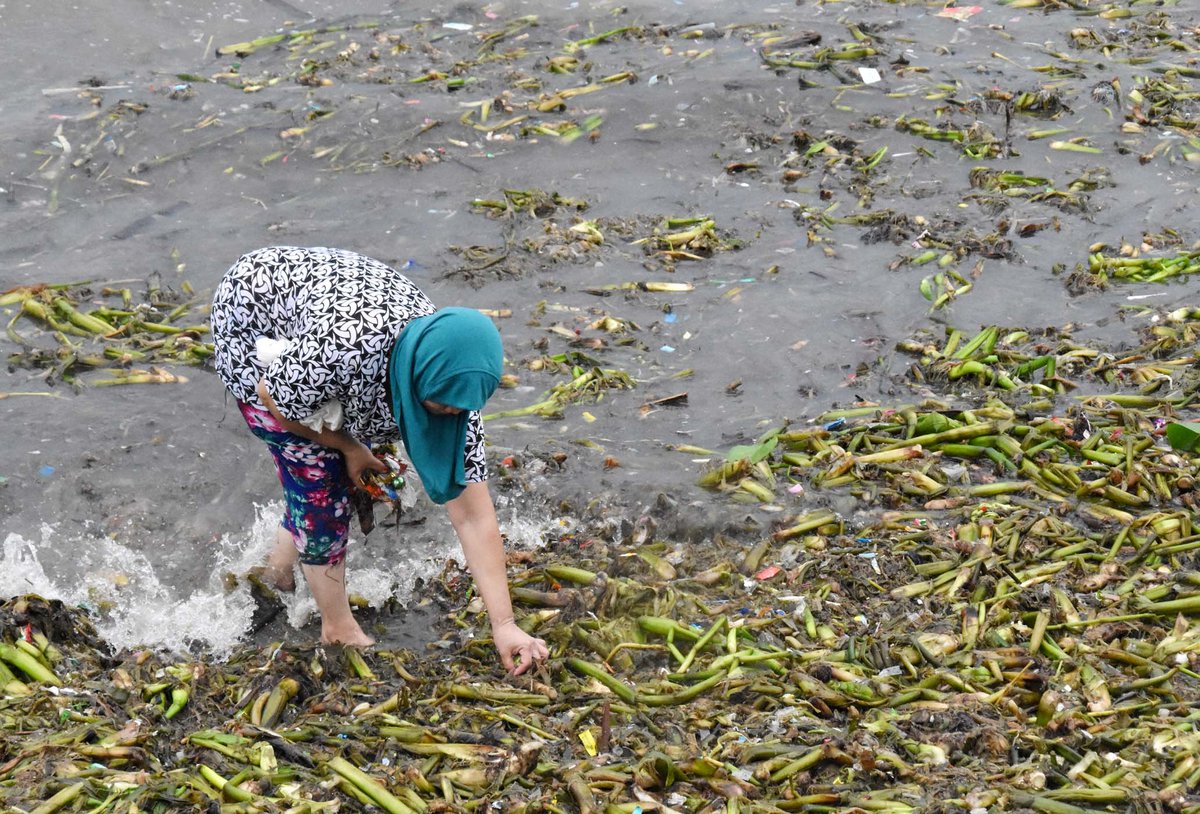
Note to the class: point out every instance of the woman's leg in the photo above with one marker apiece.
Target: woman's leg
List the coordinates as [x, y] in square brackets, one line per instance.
[280, 569]
[316, 523]
[328, 586]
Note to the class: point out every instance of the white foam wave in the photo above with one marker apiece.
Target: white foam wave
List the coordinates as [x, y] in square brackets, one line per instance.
[138, 602]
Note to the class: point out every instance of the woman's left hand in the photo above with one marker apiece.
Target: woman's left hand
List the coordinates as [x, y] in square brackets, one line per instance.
[360, 460]
[518, 650]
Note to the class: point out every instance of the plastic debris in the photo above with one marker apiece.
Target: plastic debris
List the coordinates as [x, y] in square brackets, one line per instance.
[960, 13]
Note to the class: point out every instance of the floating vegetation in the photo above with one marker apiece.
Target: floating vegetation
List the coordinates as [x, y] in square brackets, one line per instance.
[105, 327]
[980, 601]
[1005, 186]
[553, 230]
[534, 202]
[1046, 102]
[976, 139]
[659, 286]
[1005, 619]
[778, 55]
[291, 39]
[103, 148]
[1106, 267]
[586, 385]
[943, 287]
[546, 238]
[624, 32]
[1021, 375]
[1163, 102]
[1058, 534]
[691, 238]
[1052, 363]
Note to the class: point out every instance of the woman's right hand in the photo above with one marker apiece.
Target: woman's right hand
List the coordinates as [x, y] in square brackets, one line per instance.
[359, 461]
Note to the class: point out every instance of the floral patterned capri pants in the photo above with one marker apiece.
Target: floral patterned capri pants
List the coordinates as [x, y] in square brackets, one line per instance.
[316, 489]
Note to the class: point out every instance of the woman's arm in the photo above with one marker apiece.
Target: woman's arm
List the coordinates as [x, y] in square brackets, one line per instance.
[474, 520]
[359, 457]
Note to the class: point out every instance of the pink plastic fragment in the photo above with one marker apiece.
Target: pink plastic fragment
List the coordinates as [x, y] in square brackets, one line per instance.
[960, 13]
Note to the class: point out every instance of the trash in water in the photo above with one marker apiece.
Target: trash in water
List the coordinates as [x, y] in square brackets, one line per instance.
[960, 13]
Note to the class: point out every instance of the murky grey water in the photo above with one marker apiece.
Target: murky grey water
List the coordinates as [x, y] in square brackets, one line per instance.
[160, 484]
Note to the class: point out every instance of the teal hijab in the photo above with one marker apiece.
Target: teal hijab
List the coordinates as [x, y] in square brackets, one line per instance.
[453, 357]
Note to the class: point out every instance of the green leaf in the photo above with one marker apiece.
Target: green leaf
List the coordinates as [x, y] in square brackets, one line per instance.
[935, 422]
[752, 452]
[1184, 437]
[223, 738]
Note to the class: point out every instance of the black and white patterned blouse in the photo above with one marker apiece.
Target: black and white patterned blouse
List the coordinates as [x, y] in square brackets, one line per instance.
[340, 313]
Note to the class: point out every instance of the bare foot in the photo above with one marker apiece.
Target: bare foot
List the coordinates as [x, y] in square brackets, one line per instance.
[338, 625]
[356, 638]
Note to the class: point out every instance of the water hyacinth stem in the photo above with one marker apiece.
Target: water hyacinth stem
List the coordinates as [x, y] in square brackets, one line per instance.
[614, 684]
[179, 699]
[369, 787]
[227, 789]
[28, 664]
[806, 523]
[60, 799]
[283, 692]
